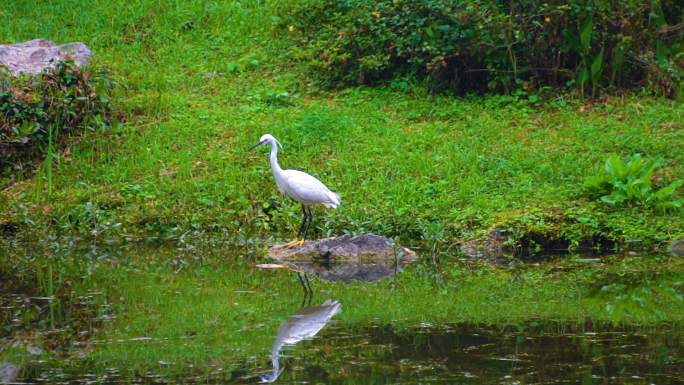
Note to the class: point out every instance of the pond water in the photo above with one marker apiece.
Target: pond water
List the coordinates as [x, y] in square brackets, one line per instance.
[182, 315]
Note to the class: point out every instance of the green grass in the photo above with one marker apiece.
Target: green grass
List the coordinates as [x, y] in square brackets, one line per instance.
[420, 167]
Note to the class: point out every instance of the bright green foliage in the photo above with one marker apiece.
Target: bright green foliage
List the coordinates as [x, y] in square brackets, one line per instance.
[63, 100]
[618, 183]
[204, 80]
[473, 46]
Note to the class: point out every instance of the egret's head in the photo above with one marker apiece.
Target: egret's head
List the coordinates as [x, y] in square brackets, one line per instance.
[267, 138]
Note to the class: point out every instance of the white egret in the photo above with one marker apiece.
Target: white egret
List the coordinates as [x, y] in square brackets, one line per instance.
[301, 187]
[304, 324]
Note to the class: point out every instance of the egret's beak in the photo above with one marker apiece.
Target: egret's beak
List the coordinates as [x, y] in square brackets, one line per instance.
[258, 144]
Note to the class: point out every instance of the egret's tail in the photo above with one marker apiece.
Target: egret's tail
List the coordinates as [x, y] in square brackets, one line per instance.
[333, 307]
[334, 200]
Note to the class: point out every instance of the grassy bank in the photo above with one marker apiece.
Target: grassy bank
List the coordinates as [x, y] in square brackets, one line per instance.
[200, 82]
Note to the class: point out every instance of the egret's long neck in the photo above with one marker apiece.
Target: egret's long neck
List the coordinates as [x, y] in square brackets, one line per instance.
[276, 365]
[277, 171]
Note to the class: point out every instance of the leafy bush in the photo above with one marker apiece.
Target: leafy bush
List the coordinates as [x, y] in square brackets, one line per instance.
[618, 183]
[474, 46]
[61, 101]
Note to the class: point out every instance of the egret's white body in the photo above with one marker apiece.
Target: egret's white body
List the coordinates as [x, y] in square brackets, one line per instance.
[304, 324]
[300, 186]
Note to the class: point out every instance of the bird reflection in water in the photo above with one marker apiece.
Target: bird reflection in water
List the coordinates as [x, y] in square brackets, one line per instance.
[306, 322]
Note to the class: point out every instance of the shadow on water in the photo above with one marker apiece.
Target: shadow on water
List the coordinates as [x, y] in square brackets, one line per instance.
[538, 352]
[467, 353]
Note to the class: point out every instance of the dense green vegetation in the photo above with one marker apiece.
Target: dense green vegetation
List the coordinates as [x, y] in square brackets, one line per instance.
[36, 113]
[200, 82]
[528, 48]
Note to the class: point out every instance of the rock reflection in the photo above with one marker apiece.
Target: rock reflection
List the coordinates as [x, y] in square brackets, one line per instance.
[359, 270]
[306, 322]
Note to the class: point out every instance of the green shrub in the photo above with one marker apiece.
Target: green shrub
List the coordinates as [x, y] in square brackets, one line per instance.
[62, 101]
[475, 46]
[620, 183]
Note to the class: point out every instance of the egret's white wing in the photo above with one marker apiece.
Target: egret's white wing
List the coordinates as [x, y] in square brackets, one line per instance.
[305, 188]
[306, 322]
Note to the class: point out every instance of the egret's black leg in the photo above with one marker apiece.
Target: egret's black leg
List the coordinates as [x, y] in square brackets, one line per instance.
[301, 228]
[310, 216]
[309, 286]
[306, 291]
[296, 241]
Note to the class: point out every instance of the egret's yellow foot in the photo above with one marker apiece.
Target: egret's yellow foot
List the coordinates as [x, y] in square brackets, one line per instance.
[300, 242]
[290, 244]
[295, 270]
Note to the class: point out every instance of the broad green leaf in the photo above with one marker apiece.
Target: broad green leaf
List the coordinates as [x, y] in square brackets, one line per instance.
[597, 185]
[634, 166]
[667, 192]
[614, 167]
[615, 197]
[428, 30]
[574, 43]
[660, 17]
[668, 292]
[585, 34]
[101, 88]
[583, 76]
[596, 66]
[631, 188]
[665, 205]
[662, 57]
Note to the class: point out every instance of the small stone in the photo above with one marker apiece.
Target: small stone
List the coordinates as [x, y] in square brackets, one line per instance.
[492, 249]
[677, 248]
[34, 349]
[33, 56]
[9, 373]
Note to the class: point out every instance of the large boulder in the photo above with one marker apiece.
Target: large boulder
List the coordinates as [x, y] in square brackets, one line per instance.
[35, 55]
[344, 247]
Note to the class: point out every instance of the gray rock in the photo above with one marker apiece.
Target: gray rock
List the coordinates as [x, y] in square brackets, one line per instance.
[9, 373]
[344, 247]
[35, 55]
[491, 249]
[677, 248]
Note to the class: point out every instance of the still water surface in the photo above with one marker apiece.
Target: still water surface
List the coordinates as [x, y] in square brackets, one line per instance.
[273, 333]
